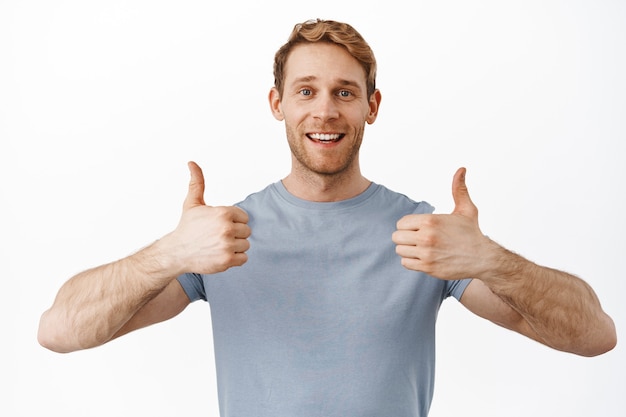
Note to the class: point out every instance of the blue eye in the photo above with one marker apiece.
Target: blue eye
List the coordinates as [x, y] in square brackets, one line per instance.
[306, 92]
[345, 93]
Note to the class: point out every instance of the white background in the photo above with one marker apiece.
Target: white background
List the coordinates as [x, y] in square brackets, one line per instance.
[103, 103]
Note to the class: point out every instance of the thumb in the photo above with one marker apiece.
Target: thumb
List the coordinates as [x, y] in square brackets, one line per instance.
[463, 204]
[195, 194]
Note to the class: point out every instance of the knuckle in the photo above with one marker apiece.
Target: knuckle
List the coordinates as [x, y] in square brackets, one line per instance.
[431, 220]
[429, 240]
[410, 263]
[221, 212]
[428, 255]
[242, 259]
[225, 260]
[242, 212]
[227, 229]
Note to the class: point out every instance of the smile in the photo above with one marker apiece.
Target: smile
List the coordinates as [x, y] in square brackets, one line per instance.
[325, 137]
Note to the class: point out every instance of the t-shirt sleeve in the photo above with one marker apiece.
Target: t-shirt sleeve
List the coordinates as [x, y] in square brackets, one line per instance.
[457, 288]
[193, 285]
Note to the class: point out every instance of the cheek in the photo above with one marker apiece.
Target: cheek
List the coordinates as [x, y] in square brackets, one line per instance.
[294, 118]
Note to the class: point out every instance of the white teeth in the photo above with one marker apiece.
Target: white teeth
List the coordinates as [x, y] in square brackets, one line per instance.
[324, 136]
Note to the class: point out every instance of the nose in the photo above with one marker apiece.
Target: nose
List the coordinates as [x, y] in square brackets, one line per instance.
[325, 107]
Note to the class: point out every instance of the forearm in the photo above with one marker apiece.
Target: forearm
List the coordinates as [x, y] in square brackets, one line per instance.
[93, 305]
[562, 310]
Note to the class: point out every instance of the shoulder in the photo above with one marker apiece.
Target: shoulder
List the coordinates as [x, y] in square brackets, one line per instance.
[402, 202]
[257, 198]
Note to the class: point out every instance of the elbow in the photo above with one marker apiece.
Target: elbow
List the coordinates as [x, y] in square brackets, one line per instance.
[597, 340]
[47, 341]
[604, 340]
[599, 348]
[45, 335]
[610, 345]
[50, 344]
[609, 339]
[49, 336]
[56, 335]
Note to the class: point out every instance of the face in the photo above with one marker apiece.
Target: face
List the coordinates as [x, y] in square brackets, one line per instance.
[325, 107]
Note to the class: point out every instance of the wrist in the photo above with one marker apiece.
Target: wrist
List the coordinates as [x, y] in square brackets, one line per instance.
[158, 261]
[500, 264]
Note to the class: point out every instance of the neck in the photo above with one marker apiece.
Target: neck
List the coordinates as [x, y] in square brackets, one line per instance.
[325, 188]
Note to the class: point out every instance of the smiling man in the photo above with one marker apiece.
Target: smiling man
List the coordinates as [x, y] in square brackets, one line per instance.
[324, 287]
[324, 101]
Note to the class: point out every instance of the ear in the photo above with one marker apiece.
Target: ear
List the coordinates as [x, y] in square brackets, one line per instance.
[275, 105]
[374, 104]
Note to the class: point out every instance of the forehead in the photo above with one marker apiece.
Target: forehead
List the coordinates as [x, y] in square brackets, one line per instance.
[323, 61]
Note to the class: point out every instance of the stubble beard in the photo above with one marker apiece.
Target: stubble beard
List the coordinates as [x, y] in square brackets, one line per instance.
[317, 165]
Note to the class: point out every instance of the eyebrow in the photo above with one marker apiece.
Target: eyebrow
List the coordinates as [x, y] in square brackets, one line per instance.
[307, 79]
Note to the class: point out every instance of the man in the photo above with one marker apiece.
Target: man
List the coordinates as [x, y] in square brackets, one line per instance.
[324, 287]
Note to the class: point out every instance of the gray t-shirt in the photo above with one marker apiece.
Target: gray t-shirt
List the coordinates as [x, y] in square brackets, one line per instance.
[323, 320]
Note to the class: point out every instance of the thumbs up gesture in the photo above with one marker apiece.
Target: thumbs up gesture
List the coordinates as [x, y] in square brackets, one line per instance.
[208, 239]
[446, 246]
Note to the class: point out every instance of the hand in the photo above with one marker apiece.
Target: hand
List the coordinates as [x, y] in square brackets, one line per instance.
[209, 239]
[446, 246]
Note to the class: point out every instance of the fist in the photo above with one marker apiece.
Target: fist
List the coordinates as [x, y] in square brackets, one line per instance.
[446, 246]
[209, 239]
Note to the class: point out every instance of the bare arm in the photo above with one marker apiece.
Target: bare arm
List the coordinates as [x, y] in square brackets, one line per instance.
[105, 302]
[94, 305]
[550, 306]
[167, 304]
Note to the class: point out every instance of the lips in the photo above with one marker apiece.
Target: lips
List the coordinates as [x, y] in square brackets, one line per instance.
[325, 137]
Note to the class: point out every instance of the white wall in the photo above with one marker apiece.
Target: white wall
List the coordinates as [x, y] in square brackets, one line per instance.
[103, 103]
